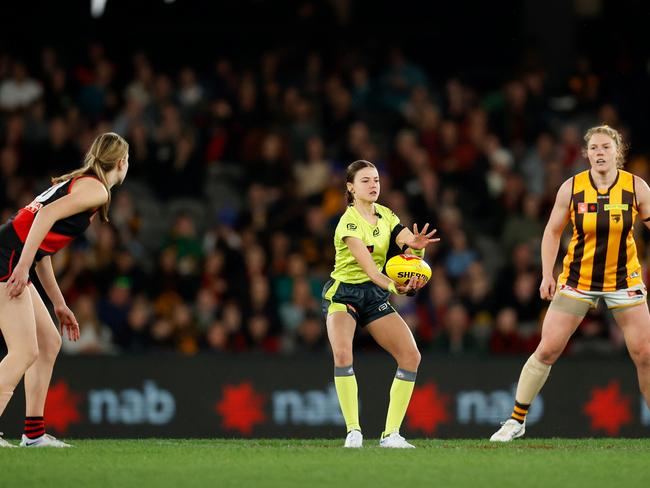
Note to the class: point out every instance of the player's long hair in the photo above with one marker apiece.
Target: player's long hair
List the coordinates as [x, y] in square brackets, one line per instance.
[352, 171]
[102, 157]
[621, 146]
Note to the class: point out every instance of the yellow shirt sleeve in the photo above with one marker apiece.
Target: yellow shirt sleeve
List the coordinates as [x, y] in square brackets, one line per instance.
[394, 220]
[348, 228]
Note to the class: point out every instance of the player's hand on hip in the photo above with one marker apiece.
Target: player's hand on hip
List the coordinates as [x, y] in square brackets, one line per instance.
[67, 322]
[422, 239]
[17, 281]
[547, 288]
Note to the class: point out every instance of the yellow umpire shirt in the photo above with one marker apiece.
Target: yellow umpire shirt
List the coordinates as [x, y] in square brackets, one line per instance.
[375, 237]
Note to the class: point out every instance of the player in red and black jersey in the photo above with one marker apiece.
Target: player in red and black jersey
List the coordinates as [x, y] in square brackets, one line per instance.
[27, 241]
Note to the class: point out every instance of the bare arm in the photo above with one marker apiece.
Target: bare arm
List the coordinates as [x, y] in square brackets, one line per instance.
[363, 257]
[67, 320]
[86, 194]
[416, 240]
[551, 240]
[46, 276]
[643, 200]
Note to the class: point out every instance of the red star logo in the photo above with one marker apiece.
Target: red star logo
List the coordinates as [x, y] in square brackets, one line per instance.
[608, 408]
[62, 407]
[427, 409]
[241, 408]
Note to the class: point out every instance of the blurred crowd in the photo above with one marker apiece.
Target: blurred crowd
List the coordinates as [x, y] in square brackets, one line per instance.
[222, 236]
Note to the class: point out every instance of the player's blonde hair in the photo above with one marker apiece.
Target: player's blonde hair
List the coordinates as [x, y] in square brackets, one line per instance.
[105, 152]
[351, 172]
[621, 146]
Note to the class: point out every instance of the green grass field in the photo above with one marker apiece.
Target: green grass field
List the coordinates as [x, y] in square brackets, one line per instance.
[287, 463]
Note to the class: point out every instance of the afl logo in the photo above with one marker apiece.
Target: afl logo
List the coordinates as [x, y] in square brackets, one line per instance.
[352, 226]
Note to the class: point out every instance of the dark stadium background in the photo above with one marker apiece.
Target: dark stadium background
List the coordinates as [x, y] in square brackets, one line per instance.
[551, 50]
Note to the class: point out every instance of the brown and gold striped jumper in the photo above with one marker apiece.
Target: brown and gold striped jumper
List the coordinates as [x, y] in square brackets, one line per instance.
[602, 253]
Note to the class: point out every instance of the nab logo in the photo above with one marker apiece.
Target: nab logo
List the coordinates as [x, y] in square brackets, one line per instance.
[488, 407]
[151, 406]
[352, 226]
[313, 407]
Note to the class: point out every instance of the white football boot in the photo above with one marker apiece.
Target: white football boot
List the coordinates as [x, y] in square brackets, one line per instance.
[4, 443]
[46, 440]
[354, 439]
[510, 429]
[395, 440]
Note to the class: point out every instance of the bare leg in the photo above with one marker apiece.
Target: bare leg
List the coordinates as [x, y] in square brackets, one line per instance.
[392, 333]
[340, 330]
[635, 322]
[37, 377]
[18, 327]
[557, 329]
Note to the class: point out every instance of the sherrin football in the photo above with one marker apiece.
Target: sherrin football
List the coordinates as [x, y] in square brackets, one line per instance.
[402, 267]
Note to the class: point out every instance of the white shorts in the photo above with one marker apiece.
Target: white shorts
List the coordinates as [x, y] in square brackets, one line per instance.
[627, 297]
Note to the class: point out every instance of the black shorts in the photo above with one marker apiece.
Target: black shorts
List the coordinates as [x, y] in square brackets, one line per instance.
[8, 260]
[366, 302]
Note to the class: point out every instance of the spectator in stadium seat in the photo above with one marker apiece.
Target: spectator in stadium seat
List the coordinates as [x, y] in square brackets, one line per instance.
[592, 337]
[259, 336]
[113, 310]
[302, 303]
[20, 90]
[162, 335]
[95, 337]
[314, 173]
[310, 335]
[137, 336]
[206, 308]
[216, 337]
[186, 333]
[455, 337]
[505, 338]
[460, 256]
[399, 78]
